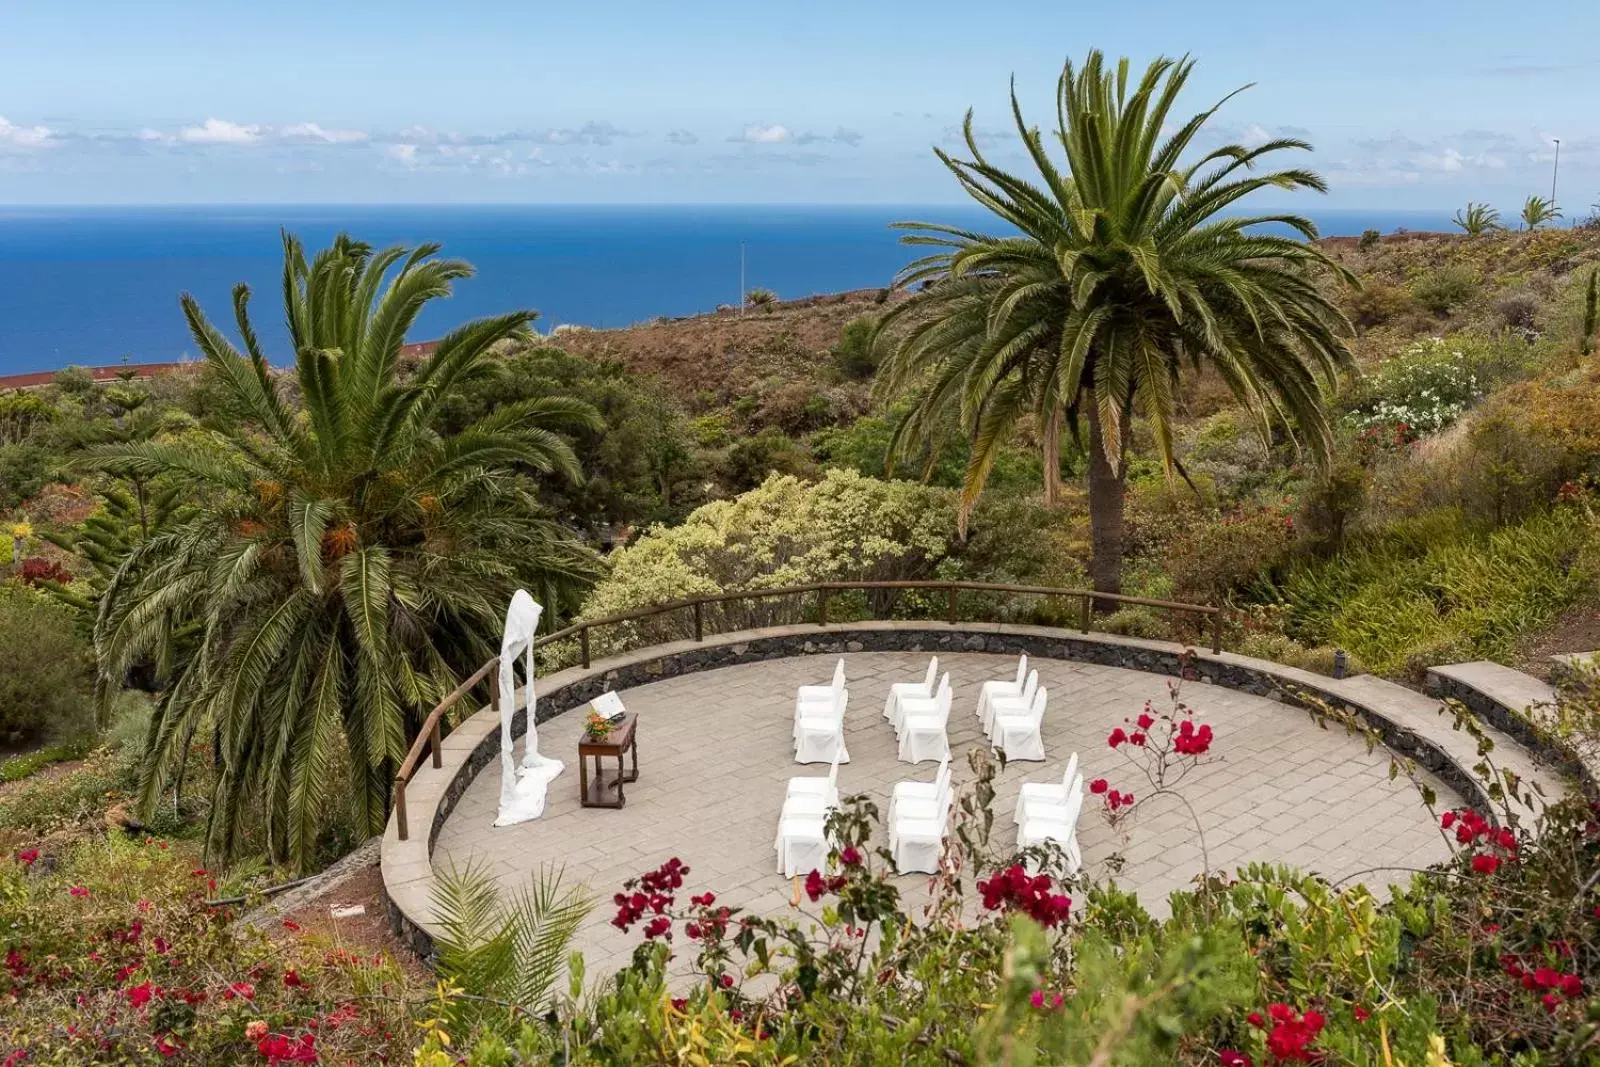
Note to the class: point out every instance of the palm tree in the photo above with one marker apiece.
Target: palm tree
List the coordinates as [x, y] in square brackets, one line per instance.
[342, 565]
[1477, 219]
[1124, 271]
[1536, 211]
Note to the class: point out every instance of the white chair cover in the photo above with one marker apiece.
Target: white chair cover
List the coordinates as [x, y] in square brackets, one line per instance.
[1059, 824]
[1010, 705]
[1006, 688]
[819, 733]
[922, 731]
[1021, 736]
[802, 844]
[522, 788]
[918, 844]
[912, 790]
[900, 690]
[1036, 793]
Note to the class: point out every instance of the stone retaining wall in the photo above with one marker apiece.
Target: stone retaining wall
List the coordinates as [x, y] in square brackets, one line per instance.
[1514, 723]
[575, 687]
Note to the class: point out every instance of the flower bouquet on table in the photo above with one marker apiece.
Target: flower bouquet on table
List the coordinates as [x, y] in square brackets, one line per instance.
[597, 727]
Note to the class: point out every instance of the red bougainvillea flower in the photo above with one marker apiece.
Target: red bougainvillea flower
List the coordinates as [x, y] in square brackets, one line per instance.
[1255, 1020]
[851, 856]
[1485, 864]
[1230, 1058]
[168, 1045]
[1116, 800]
[1098, 786]
[1118, 736]
[1190, 740]
[78, 891]
[727, 981]
[140, 995]
[1014, 889]
[1293, 1034]
[1146, 720]
[28, 857]
[291, 925]
[703, 900]
[1361, 1014]
[239, 989]
[292, 979]
[279, 1048]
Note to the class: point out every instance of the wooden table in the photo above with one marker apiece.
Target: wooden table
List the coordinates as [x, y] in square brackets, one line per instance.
[606, 789]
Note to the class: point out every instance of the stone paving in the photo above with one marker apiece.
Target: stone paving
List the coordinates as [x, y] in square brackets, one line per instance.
[715, 753]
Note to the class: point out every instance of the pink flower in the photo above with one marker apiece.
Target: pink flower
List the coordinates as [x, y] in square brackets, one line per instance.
[28, 856]
[1229, 1058]
[850, 857]
[78, 891]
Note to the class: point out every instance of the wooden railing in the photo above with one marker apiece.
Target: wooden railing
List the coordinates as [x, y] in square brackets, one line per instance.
[430, 734]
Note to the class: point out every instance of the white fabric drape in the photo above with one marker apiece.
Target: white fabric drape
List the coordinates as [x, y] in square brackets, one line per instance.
[522, 787]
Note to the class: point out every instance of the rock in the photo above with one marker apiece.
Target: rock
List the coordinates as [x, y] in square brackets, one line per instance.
[853, 646]
[975, 643]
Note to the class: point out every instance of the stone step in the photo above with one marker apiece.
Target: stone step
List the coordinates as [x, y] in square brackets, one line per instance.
[1515, 703]
[1427, 717]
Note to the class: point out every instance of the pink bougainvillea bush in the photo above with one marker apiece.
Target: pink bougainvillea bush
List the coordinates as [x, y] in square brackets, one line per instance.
[112, 956]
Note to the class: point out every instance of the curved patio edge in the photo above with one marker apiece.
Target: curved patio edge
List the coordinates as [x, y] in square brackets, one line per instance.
[1399, 715]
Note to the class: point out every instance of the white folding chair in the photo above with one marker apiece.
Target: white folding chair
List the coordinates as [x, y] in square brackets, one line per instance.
[920, 792]
[913, 705]
[815, 700]
[901, 690]
[918, 844]
[922, 732]
[819, 791]
[815, 694]
[1006, 688]
[819, 733]
[1014, 705]
[802, 844]
[1048, 822]
[1037, 793]
[1021, 736]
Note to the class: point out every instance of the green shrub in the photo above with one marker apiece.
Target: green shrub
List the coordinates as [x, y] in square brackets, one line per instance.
[1432, 383]
[1136, 621]
[1442, 290]
[1332, 502]
[1213, 555]
[853, 356]
[752, 460]
[45, 670]
[1429, 590]
[710, 431]
[19, 767]
[1280, 648]
[74, 380]
[1376, 303]
[1369, 240]
[784, 532]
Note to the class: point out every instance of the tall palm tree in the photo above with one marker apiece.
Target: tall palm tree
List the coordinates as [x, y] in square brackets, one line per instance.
[1477, 219]
[1125, 269]
[1536, 211]
[343, 563]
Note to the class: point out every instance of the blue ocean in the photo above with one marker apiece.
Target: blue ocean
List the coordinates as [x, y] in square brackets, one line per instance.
[99, 286]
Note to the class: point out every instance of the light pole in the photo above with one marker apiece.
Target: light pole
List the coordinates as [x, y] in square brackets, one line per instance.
[1555, 171]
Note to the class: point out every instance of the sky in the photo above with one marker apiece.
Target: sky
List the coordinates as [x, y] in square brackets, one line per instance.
[1409, 103]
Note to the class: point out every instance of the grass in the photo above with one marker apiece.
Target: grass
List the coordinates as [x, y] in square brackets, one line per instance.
[19, 767]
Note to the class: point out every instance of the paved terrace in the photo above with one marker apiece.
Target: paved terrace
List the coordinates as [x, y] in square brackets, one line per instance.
[714, 752]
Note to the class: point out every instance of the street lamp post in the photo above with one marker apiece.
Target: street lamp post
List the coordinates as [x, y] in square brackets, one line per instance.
[1555, 171]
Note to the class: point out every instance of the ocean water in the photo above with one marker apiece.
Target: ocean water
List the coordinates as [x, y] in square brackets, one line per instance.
[100, 285]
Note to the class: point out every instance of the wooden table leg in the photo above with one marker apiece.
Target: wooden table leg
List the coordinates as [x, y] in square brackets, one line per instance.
[583, 781]
[621, 777]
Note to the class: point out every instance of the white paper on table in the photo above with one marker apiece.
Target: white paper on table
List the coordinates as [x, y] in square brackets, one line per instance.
[522, 787]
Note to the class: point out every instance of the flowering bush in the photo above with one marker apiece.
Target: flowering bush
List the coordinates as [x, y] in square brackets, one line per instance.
[112, 955]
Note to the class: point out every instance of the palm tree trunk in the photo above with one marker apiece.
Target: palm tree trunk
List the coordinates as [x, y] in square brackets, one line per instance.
[1050, 447]
[1107, 528]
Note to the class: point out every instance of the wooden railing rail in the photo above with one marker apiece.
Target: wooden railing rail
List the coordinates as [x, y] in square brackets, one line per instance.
[429, 737]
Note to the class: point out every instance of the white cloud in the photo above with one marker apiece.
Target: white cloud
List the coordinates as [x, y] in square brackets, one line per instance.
[315, 134]
[838, 136]
[403, 153]
[12, 136]
[682, 137]
[759, 134]
[219, 131]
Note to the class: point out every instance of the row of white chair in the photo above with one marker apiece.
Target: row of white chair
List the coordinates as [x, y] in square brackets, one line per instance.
[802, 841]
[819, 721]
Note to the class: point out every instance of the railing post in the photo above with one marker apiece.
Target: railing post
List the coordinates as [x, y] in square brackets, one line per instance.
[822, 606]
[952, 605]
[583, 646]
[434, 739]
[400, 806]
[699, 623]
[1216, 631]
[1084, 613]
